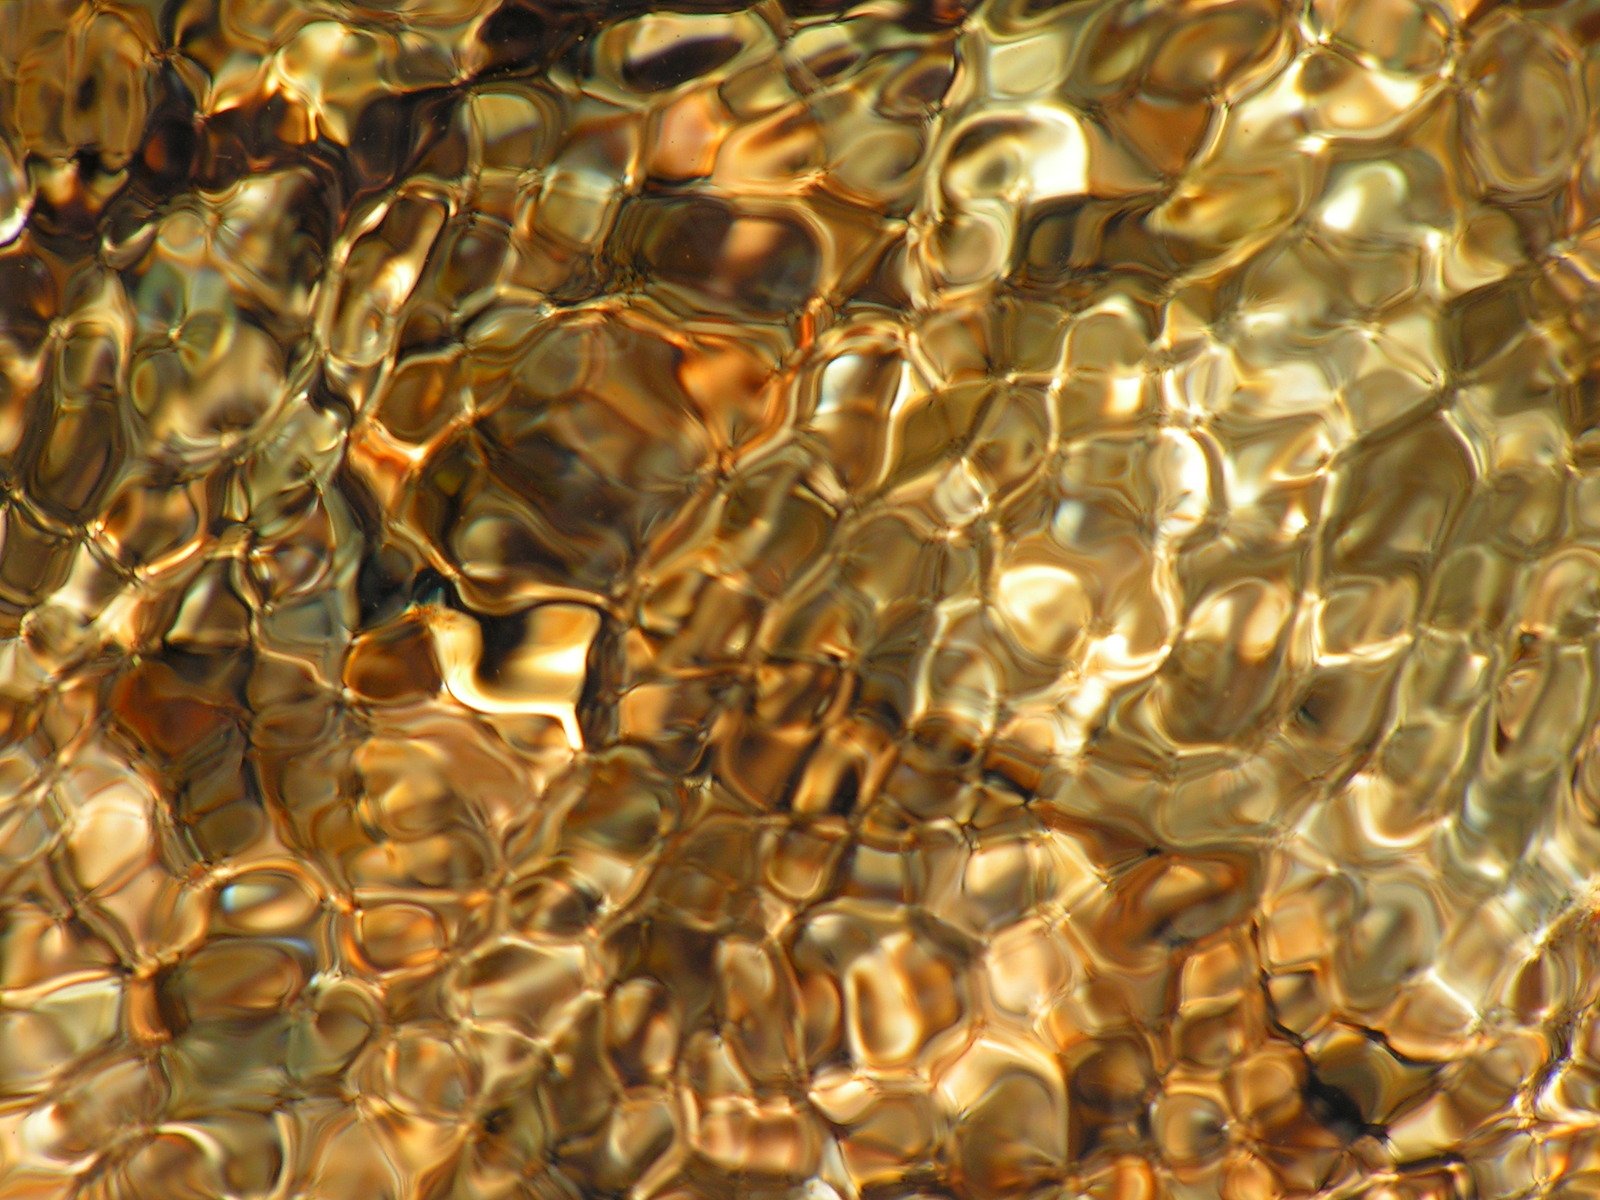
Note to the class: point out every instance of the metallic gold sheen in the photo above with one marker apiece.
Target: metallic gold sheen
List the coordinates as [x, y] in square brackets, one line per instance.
[908, 600]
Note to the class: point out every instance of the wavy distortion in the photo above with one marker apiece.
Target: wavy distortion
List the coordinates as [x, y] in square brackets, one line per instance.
[804, 601]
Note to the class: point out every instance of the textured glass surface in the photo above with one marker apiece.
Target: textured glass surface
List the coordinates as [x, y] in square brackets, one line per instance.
[908, 600]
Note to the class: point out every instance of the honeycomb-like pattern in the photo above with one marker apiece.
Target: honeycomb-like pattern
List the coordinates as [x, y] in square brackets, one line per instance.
[909, 600]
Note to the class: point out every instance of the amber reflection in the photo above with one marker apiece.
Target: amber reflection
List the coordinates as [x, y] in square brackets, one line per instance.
[910, 600]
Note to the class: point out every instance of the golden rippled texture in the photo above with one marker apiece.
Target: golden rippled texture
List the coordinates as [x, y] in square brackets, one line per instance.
[908, 600]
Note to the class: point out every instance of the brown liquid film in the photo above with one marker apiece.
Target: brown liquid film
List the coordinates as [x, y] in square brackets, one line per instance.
[800, 601]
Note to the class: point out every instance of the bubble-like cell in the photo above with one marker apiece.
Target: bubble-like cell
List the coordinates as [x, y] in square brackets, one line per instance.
[818, 600]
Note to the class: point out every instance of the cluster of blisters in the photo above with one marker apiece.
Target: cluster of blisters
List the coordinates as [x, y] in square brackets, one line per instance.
[899, 600]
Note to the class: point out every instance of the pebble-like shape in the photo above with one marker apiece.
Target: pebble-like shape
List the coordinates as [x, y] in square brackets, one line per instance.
[808, 600]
